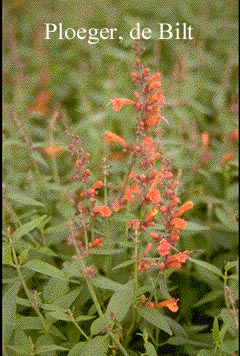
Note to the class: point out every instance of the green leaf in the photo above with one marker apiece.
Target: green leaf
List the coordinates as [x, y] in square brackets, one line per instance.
[59, 315]
[156, 318]
[6, 254]
[150, 349]
[24, 229]
[28, 322]
[216, 331]
[77, 349]
[104, 251]
[177, 340]
[106, 283]
[22, 198]
[47, 348]
[209, 297]
[84, 317]
[205, 352]
[229, 346]
[207, 266]
[124, 264]
[9, 304]
[195, 227]
[97, 347]
[44, 268]
[121, 301]
[98, 324]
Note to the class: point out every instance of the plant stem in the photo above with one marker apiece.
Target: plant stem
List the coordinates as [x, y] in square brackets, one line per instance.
[76, 324]
[21, 277]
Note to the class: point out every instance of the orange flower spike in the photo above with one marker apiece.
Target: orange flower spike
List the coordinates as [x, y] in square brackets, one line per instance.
[103, 210]
[164, 247]
[119, 102]
[171, 304]
[149, 304]
[185, 207]
[151, 214]
[233, 136]
[148, 145]
[112, 137]
[178, 223]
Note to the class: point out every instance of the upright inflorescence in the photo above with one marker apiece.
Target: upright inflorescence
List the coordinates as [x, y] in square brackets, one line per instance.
[149, 188]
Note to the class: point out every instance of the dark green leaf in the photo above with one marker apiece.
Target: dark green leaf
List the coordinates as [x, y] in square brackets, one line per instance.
[31, 225]
[44, 268]
[9, 303]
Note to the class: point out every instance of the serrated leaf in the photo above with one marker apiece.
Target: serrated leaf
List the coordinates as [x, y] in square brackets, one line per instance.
[47, 348]
[45, 268]
[124, 264]
[22, 198]
[156, 318]
[150, 349]
[31, 225]
[207, 266]
[106, 283]
[9, 304]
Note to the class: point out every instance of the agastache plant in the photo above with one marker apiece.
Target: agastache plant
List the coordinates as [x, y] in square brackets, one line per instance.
[148, 191]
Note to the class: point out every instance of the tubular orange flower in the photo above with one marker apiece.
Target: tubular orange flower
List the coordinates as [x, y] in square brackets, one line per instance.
[148, 145]
[154, 85]
[119, 102]
[155, 76]
[53, 150]
[159, 97]
[205, 139]
[164, 247]
[151, 214]
[185, 207]
[103, 210]
[233, 135]
[226, 158]
[153, 195]
[171, 304]
[178, 223]
[152, 121]
[97, 185]
[112, 137]
[176, 261]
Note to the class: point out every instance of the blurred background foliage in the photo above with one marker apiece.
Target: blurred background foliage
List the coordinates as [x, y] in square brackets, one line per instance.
[74, 81]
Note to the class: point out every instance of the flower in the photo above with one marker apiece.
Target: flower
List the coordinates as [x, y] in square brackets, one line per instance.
[103, 210]
[171, 304]
[226, 158]
[164, 247]
[185, 207]
[178, 223]
[53, 150]
[175, 261]
[119, 102]
[151, 214]
[153, 120]
[112, 137]
[158, 97]
[153, 195]
[205, 139]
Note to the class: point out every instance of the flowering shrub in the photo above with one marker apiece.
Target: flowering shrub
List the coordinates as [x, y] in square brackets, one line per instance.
[104, 278]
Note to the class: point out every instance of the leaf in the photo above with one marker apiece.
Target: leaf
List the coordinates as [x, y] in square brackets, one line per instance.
[209, 297]
[22, 198]
[205, 352]
[97, 347]
[47, 348]
[106, 283]
[216, 331]
[98, 324]
[150, 349]
[195, 227]
[59, 315]
[24, 229]
[156, 318]
[84, 317]
[177, 340]
[124, 264]
[44, 268]
[207, 266]
[77, 348]
[104, 251]
[29, 322]
[9, 304]
[6, 254]
[121, 301]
